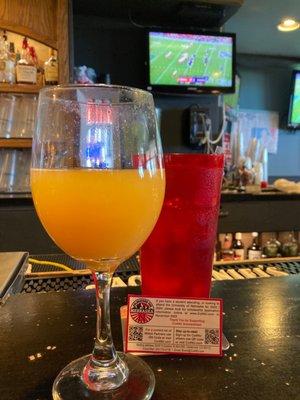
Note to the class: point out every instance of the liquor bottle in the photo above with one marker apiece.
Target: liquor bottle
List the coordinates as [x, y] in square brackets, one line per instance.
[12, 53]
[26, 71]
[7, 63]
[290, 248]
[3, 55]
[4, 36]
[51, 69]
[227, 242]
[271, 248]
[227, 253]
[39, 69]
[18, 57]
[254, 251]
[10, 71]
[218, 250]
[238, 247]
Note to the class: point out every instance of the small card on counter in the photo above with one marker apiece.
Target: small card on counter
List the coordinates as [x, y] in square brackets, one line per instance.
[168, 325]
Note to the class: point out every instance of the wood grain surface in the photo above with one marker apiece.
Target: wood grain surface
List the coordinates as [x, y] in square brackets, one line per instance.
[47, 21]
[63, 40]
[33, 18]
[19, 88]
[15, 143]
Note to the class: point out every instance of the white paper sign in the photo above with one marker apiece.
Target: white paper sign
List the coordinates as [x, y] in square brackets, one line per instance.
[174, 326]
[262, 125]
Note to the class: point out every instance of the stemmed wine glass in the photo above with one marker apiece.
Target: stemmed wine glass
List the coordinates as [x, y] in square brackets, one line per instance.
[98, 184]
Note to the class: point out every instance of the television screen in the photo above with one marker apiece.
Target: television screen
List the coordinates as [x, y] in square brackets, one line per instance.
[294, 113]
[200, 62]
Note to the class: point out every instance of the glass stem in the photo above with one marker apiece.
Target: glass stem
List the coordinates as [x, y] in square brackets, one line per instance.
[104, 351]
[105, 370]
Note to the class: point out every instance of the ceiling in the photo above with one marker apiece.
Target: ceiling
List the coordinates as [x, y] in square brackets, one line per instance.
[255, 24]
[175, 14]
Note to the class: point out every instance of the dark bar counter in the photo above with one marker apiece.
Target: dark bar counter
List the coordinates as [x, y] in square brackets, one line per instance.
[261, 321]
[260, 212]
[20, 228]
[227, 196]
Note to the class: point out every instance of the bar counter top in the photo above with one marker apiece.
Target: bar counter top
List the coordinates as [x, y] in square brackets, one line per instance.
[261, 321]
[227, 196]
[231, 196]
[20, 227]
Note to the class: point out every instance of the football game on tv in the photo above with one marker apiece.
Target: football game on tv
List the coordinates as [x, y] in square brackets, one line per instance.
[295, 104]
[178, 59]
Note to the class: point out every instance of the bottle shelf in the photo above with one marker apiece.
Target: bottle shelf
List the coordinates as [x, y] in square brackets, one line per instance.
[15, 143]
[19, 88]
[258, 261]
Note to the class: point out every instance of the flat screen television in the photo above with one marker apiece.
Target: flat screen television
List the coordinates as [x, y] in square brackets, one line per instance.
[294, 111]
[191, 62]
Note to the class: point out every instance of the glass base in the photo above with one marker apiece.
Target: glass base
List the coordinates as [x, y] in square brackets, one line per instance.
[139, 386]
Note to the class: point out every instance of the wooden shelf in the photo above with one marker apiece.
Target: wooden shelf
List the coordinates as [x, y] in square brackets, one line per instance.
[19, 88]
[15, 143]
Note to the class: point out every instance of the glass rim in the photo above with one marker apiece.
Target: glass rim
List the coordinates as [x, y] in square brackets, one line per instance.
[70, 86]
[197, 160]
[177, 153]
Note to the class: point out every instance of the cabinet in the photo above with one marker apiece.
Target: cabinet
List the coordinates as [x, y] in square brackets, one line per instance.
[46, 23]
[259, 213]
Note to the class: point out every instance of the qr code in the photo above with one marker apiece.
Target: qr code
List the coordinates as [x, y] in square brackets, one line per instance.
[135, 333]
[212, 336]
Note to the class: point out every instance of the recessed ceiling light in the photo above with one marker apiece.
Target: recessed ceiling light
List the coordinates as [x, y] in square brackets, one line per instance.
[288, 25]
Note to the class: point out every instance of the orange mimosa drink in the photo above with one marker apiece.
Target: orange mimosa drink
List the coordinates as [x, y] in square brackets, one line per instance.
[97, 214]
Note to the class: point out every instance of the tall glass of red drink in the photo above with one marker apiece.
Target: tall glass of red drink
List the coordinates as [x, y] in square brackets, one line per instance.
[176, 260]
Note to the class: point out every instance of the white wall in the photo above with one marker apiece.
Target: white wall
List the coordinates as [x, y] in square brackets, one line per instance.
[265, 85]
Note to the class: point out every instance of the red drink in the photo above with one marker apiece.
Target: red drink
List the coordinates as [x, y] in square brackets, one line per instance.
[176, 260]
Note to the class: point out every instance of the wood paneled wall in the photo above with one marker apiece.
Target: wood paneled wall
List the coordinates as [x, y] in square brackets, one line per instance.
[46, 21]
